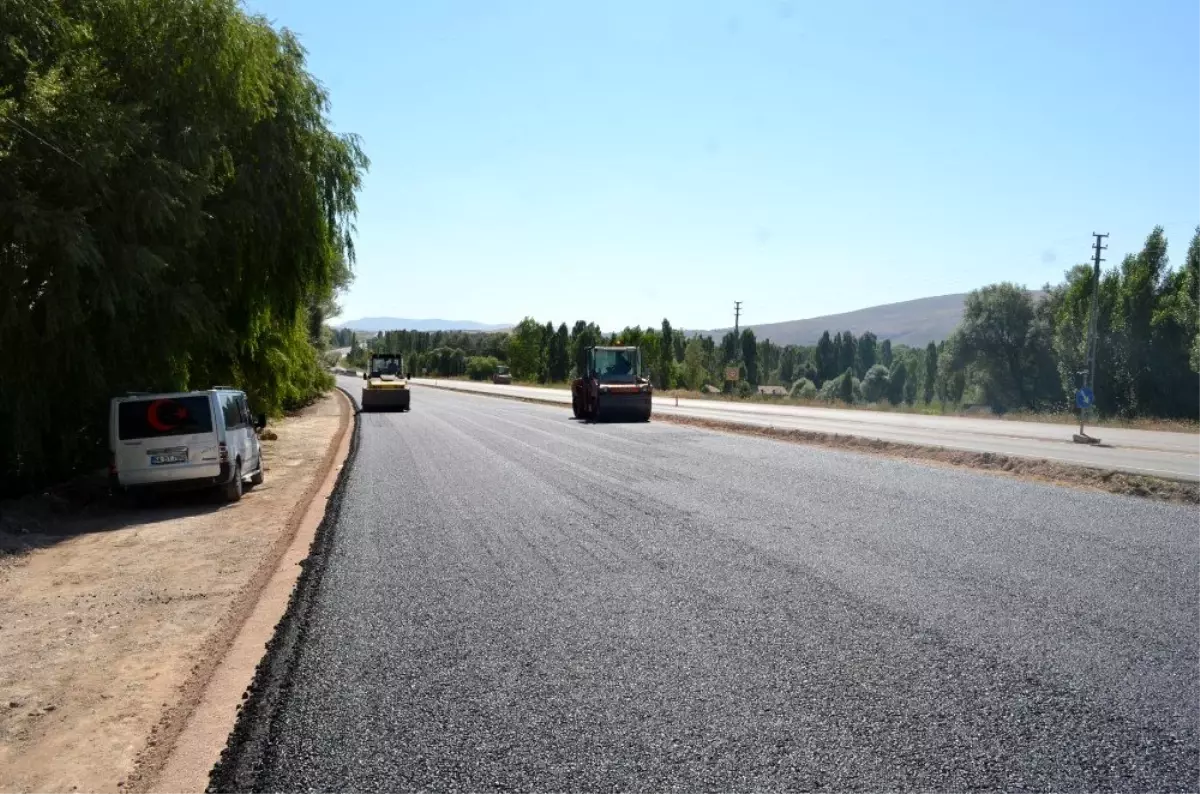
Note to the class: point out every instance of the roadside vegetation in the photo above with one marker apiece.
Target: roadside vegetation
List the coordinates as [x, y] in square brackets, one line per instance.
[1013, 353]
[175, 212]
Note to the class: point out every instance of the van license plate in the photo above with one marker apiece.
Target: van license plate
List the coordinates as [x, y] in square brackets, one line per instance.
[159, 460]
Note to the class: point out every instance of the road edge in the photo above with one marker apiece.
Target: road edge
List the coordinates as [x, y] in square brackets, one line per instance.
[192, 734]
[241, 759]
[1041, 470]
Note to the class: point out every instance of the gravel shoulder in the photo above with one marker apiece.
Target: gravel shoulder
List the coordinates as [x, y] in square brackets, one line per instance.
[112, 622]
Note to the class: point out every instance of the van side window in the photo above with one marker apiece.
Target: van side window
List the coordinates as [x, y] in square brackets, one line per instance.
[247, 420]
[232, 411]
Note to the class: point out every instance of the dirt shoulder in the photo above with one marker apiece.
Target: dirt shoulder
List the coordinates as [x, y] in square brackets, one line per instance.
[112, 623]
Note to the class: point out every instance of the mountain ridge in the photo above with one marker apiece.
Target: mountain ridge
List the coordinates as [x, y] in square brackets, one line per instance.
[913, 322]
[372, 324]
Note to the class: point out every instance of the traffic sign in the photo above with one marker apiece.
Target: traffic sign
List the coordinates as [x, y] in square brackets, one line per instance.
[732, 373]
[1084, 398]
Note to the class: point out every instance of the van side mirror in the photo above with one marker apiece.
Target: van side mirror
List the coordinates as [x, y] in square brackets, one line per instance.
[260, 421]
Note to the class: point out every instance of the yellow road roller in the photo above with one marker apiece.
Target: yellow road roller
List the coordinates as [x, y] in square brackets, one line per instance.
[386, 387]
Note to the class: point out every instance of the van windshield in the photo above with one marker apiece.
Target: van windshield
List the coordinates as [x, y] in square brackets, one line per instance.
[166, 416]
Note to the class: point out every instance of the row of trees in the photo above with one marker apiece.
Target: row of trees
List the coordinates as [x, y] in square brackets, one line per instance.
[174, 212]
[1013, 350]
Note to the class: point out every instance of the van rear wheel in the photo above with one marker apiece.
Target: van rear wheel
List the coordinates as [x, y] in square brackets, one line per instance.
[232, 490]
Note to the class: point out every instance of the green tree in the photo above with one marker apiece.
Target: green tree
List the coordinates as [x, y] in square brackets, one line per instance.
[666, 357]
[767, 361]
[585, 335]
[729, 349]
[787, 364]
[809, 372]
[931, 371]
[867, 352]
[1072, 302]
[875, 383]
[678, 344]
[1141, 276]
[885, 353]
[695, 363]
[525, 350]
[750, 356]
[897, 383]
[804, 389]
[1167, 382]
[825, 360]
[546, 339]
[558, 356]
[848, 352]
[481, 367]
[1007, 346]
[175, 211]
[846, 387]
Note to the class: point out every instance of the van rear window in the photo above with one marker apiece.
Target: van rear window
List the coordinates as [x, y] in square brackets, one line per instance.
[164, 417]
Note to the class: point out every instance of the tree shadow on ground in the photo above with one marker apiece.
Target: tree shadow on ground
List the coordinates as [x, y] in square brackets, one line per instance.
[85, 506]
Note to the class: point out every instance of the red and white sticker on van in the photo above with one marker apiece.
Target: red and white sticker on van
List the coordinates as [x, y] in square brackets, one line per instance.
[157, 418]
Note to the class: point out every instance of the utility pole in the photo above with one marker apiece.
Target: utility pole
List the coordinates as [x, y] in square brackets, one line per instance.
[1085, 398]
[737, 315]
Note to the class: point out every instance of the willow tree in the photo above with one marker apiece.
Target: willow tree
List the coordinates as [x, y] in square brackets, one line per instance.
[174, 209]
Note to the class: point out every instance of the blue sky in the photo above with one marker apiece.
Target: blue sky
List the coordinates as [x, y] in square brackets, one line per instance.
[626, 160]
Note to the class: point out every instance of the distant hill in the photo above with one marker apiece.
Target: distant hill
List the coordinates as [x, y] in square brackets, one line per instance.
[373, 324]
[914, 323]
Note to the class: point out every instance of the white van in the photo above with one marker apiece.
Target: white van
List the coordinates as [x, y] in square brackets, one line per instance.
[199, 439]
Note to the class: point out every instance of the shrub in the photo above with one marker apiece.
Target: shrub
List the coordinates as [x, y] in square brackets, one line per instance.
[482, 367]
[804, 389]
[875, 383]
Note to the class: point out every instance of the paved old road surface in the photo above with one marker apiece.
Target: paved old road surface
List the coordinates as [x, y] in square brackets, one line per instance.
[514, 600]
[1172, 455]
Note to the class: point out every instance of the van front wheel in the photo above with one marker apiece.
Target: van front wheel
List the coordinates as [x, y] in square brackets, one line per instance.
[233, 489]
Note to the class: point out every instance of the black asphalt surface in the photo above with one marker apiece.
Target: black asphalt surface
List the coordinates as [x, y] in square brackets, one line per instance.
[513, 600]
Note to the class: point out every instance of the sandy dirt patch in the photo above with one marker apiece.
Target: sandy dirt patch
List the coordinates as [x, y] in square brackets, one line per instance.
[111, 622]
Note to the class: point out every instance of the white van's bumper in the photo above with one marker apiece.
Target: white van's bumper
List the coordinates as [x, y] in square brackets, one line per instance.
[199, 475]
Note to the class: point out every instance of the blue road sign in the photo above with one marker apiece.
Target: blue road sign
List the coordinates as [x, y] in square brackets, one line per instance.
[1084, 398]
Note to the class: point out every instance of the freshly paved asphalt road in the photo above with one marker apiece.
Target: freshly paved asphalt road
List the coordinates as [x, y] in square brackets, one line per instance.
[515, 600]
[1172, 455]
